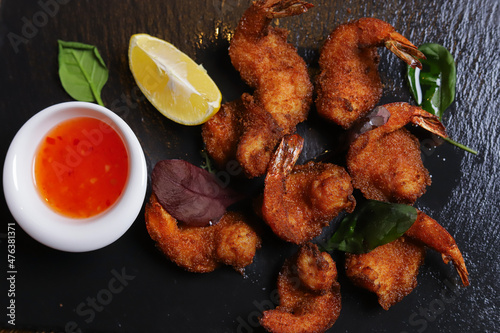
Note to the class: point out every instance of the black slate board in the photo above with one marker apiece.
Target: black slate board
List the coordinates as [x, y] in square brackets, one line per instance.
[140, 289]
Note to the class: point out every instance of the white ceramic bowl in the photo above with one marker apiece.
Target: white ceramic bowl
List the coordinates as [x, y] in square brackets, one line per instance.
[37, 218]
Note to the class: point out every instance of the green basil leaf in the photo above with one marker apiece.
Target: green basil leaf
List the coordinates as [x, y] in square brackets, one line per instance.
[372, 224]
[82, 71]
[433, 87]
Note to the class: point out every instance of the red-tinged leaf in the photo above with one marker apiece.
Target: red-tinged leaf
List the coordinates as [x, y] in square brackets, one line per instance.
[375, 118]
[191, 194]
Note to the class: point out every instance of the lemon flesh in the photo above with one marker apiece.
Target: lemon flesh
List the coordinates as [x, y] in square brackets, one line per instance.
[177, 87]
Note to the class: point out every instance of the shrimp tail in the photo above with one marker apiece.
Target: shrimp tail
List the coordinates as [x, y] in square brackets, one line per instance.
[256, 19]
[428, 121]
[433, 235]
[285, 8]
[402, 113]
[286, 155]
[405, 50]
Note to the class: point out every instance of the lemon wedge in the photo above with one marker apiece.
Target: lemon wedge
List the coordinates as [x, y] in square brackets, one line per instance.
[178, 87]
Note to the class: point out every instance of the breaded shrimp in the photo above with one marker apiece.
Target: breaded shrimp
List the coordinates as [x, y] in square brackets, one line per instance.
[222, 132]
[309, 294]
[349, 85]
[385, 163]
[232, 241]
[391, 270]
[270, 65]
[299, 200]
[260, 137]
[242, 131]
[282, 90]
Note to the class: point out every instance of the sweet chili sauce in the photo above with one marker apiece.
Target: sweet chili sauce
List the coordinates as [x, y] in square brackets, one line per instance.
[81, 167]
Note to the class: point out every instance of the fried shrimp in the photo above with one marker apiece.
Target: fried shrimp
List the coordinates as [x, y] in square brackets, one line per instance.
[225, 142]
[232, 241]
[282, 89]
[222, 132]
[259, 139]
[309, 294]
[299, 200]
[385, 163]
[390, 270]
[349, 85]
[270, 65]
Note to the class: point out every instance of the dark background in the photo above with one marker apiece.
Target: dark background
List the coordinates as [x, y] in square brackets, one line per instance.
[157, 296]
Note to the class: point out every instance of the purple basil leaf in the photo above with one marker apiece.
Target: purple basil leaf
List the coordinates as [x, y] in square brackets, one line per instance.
[191, 194]
[376, 118]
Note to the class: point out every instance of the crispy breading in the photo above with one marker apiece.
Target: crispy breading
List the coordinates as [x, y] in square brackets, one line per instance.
[232, 241]
[309, 294]
[389, 169]
[349, 85]
[299, 200]
[242, 131]
[385, 163]
[222, 132]
[390, 270]
[261, 134]
[282, 90]
[270, 65]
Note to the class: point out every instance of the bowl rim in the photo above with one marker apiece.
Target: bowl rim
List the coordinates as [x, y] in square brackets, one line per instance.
[40, 221]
